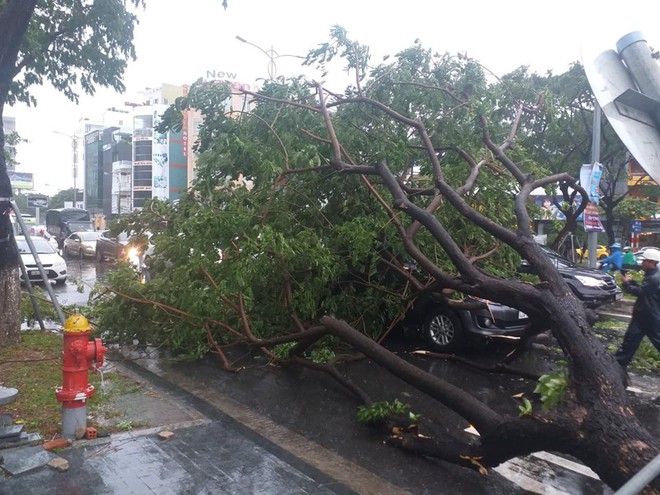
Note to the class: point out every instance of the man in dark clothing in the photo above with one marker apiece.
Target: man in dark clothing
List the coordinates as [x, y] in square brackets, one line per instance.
[646, 312]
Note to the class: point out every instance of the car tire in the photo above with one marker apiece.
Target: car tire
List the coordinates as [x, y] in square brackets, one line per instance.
[60, 282]
[602, 257]
[443, 330]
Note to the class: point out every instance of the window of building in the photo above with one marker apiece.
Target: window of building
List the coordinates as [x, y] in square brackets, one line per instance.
[141, 176]
[139, 198]
[142, 151]
[143, 122]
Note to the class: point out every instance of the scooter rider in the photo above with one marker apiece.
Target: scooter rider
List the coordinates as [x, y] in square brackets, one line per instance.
[615, 259]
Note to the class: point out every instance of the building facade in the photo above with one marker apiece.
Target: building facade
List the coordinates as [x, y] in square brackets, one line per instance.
[108, 157]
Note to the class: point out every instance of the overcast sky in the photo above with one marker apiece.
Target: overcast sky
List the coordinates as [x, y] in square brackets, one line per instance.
[178, 41]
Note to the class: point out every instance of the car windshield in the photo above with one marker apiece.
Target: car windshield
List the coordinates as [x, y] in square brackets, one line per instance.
[88, 236]
[558, 260]
[78, 225]
[41, 246]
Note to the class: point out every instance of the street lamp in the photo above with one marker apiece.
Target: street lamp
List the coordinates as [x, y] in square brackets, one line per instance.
[271, 54]
[74, 147]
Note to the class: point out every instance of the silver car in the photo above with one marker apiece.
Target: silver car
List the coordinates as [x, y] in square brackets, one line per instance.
[80, 244]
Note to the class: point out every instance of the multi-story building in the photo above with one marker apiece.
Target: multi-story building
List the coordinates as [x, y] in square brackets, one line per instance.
[158, 165]
[160, 168]
[108, 158]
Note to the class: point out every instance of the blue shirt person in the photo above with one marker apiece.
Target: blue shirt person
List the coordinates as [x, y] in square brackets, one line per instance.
[615, 260]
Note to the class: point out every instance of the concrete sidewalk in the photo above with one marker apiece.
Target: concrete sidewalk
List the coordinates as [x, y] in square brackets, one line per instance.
[208, 453]
[223, 446]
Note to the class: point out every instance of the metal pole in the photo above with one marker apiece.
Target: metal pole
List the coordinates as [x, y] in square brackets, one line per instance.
[637, 483]
[35, 304]
[42, 272]
[592, 237]
[74, 145]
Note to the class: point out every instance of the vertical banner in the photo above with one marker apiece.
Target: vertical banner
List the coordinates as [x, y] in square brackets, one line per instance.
[594, 182]
[590, 179]
[591, 218]
[160, 164]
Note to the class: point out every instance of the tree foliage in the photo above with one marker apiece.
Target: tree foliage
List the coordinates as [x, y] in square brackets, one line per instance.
[410, 181]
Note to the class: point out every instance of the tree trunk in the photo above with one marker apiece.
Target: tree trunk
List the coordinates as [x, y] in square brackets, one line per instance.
[10, 312]
[15, 16]
[593, 423]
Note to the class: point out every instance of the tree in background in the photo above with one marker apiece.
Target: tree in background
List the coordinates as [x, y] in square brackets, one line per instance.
[635, 208]
[75, 46]
[409, 182]
[11, 141]
[58, 199]
[562, 140]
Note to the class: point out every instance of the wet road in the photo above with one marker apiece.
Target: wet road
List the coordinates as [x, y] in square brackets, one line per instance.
[83, 274]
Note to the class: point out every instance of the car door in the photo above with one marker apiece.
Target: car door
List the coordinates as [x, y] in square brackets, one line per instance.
[72, 245]
[102, 246]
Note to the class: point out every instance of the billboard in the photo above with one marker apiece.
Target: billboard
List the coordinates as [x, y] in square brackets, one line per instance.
[21, 180]
[37, 201]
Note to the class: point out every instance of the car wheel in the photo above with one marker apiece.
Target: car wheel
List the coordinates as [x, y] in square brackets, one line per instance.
[443, 330]
[602, 257]
[60, 282]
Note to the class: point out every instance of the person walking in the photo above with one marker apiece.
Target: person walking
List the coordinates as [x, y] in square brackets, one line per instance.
[646, 311]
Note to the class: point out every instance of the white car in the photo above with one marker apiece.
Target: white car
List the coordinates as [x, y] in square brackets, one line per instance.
[53, 264]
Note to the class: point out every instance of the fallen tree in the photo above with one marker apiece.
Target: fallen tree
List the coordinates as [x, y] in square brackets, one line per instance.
[417, 165]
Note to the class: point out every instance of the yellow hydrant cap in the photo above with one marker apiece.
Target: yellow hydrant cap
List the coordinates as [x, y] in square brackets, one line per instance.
[77, 324]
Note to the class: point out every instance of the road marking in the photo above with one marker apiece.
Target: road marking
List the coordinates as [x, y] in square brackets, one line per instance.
[515, 471]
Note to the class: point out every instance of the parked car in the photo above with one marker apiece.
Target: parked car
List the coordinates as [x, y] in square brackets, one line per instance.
[109, 246]
[593, 287]
[134, 249]
[602, 251]
[53, 264]
[81, 244]
[51, 240]
[448, 329]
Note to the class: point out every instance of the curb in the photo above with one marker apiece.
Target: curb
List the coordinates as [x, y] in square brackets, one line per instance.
[614, 316]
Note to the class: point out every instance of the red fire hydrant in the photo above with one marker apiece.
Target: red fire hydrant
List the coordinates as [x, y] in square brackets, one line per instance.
[78, 356]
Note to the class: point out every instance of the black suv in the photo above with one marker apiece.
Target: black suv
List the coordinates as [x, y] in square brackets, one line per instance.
[448, 329]
[593, 287]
